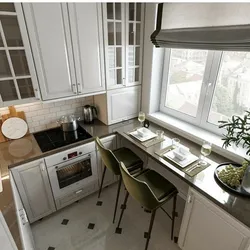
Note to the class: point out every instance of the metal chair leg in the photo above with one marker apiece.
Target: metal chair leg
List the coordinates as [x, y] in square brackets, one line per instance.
[103, 174]
[173, 216]
[150, 228]
[123, 208]
[117, 196]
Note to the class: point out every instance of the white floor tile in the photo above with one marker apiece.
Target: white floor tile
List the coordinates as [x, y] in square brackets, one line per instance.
[76, 235]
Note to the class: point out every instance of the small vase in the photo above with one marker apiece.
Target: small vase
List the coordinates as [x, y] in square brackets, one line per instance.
[246, 180]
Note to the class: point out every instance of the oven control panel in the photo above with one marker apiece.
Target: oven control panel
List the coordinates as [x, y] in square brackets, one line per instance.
[69, 154]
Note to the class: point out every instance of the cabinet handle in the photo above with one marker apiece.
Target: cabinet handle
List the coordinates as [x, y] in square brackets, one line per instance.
[42, 166]
[189, 200]
[74, 88]
[79, 88]
[124, 81]
[79, 191]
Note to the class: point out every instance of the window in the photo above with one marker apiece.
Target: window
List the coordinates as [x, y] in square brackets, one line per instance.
[203, 87]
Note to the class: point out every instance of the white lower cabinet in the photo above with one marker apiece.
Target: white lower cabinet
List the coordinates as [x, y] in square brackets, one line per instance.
[110, 143]
[206, 226]
[33, 184]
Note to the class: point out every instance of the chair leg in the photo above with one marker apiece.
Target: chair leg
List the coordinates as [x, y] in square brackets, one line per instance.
[117, 196]
[103, 174]
[150, 228]
[173, 216]
[123, 208]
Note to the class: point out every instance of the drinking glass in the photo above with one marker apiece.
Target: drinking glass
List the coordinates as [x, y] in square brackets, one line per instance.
[206, 150]
[175, 142]
[141, 117]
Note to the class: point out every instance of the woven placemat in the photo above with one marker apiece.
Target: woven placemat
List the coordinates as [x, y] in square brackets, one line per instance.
[148, 143]
[197, 168]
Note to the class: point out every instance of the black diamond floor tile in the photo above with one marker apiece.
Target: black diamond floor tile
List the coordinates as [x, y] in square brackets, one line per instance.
[65, 222]
[99, 203]
[146, 235]
[118, 230]
[51, 248]
[91, 226]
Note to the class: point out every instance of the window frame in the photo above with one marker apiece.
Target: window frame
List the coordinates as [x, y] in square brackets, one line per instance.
[212, 68]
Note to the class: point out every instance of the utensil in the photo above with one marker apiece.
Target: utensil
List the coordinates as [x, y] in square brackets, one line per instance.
[68, 123]
[206, 150]
[89, 113]
[194, 167]
[14, 128]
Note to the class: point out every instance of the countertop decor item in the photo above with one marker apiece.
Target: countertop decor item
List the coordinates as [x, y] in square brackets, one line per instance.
[12, 113]
[146, 137]
[238, 190]
[14, 128]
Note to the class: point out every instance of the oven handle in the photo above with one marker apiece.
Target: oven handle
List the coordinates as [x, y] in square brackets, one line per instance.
[60, 166]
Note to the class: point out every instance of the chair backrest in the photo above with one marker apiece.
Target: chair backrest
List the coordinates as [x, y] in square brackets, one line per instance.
[108, 157]
[139, 190]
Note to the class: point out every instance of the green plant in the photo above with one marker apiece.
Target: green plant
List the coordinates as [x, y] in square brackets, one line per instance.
[238, 131]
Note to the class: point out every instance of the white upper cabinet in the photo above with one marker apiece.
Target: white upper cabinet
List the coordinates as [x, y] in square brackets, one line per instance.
[66, 40]
[49, 32]
[18, 81]
[123, 35]
[87, 37]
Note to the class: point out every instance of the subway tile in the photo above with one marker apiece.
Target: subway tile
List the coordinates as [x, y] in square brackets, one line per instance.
[54, 110]
[48, 105]
[38, 118]
[31, 114]
[65, 107]
[35, 107]
[60, 103]
[43, 111]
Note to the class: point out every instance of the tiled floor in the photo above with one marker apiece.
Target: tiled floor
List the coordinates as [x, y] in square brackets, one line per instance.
[88, 225]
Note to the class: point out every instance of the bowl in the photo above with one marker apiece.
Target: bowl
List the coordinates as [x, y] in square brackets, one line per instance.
[143, 131]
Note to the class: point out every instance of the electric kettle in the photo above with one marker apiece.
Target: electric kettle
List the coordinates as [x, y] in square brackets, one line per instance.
[89, 113]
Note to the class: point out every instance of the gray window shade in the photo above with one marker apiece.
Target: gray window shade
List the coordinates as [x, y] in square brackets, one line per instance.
[213, 26]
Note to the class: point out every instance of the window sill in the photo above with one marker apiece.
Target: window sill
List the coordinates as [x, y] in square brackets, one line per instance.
[197, 135]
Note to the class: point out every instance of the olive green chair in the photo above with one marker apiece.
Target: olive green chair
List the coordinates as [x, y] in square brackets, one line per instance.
[151, 190]
[112, 159]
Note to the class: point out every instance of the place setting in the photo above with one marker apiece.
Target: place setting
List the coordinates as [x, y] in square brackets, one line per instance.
[144, 135]
[184, 159]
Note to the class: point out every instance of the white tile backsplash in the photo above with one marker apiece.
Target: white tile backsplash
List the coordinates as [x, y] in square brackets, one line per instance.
[42, 116]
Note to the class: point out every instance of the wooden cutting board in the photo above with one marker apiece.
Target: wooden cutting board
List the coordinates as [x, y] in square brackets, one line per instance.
[12, 113]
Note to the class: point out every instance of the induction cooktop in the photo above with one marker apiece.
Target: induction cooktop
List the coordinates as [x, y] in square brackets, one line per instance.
[55, 138]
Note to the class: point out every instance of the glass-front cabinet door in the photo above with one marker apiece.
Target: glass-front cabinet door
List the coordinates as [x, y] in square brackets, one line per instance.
[18, 82]
[123, 43]
[134, 28]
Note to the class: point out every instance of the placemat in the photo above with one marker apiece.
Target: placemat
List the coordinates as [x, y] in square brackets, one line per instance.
[193, 172]
[148, 143]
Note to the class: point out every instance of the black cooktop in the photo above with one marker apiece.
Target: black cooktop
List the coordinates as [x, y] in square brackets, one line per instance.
[56, 138]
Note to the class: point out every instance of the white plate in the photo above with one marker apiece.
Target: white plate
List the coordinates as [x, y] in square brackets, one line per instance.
[190, 158]
[14, 128]
[146, 137]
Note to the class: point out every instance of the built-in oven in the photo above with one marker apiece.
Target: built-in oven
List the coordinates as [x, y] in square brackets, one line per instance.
[71, 170]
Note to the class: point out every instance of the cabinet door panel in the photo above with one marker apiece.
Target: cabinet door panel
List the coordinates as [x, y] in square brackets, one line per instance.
[110, 143]
[33, 185]
[48, 28]
[206, 227]
[85, 20]
[123, 104]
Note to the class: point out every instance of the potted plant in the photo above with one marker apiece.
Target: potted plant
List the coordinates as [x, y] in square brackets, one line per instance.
[237, 132]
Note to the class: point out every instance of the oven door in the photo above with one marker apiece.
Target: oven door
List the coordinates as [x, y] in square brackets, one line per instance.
[72, 175]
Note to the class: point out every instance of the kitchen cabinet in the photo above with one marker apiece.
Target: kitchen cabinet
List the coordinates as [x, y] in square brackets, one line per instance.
[18, 81]
[206, 226]
[87, 37]
[25, 232]
[123, 104]
[110, 143]
[118, 104]
[123, 38]
[67, 48]
[34, 188]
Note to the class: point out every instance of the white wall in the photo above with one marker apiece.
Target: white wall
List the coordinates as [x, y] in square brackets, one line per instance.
[152, 64]
[42, 116]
